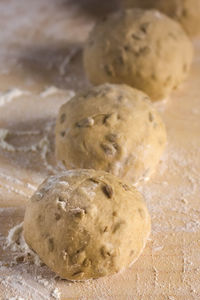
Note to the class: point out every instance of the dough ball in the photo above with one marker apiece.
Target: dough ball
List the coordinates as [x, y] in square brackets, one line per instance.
[113, 128]
[144, 49]
[187, 12]
[86, 224]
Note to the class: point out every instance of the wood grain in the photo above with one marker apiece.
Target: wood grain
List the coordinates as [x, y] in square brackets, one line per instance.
[41, 46]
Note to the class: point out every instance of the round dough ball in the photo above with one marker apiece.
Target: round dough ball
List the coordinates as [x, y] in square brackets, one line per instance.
[86, 224]
[144, 49]
[113, 128]
[187, 12]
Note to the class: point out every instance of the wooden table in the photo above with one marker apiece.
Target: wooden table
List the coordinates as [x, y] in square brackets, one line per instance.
[41, 47]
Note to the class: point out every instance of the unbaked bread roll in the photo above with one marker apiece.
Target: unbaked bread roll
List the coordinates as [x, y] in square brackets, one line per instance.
[86, 224]
[187, 12]
[114, 128]
[144, 49]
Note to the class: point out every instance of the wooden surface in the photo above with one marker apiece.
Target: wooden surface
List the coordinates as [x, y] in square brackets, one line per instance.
[41, 46]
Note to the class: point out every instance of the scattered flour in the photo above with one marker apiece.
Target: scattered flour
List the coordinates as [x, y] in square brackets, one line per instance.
[184, 216]
[19, 281]
[16, 242]
[10, 95]
[56, 293]
[49, 91]
[15, 185]
[54, 90]
[3, 144]
[14, 190]
[67, 60]
[42, 147]
[29, 282]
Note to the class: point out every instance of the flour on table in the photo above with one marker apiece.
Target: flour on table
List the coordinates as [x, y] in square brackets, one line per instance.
[3, 144]
[31, 286]
[16, 242]
[10, 95]
[49, 91]
[52, 90]
[67, 60]
[42, 146]
[56, 293]
[24, 281]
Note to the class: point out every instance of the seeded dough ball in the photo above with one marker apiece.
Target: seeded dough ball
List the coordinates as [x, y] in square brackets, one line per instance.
[114, 128]
[187, 12]
[86, 224]
[144, 49]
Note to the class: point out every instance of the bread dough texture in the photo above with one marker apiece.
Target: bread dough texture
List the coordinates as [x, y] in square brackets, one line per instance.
[187, 12]
[86, 224]
[114, 128]
[144, 49]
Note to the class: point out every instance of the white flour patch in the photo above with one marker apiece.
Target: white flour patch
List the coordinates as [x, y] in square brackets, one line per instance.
[52, 90]
[56, 293]
[10, 95]
[15, 185]
[16, 242]
[17, 277]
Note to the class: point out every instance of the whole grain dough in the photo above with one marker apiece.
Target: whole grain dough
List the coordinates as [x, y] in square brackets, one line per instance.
[144, 49]
[86, 224]
[187, 12]
[114, 128]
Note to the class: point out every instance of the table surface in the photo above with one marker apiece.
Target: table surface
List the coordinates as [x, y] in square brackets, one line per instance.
[41, 68]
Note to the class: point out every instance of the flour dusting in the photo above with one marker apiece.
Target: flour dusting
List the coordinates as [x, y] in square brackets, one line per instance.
[16, 242]
[33, 286]
[40, 41]
[42, 146]
[10, 95]
[52, 90]
[67, 60]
